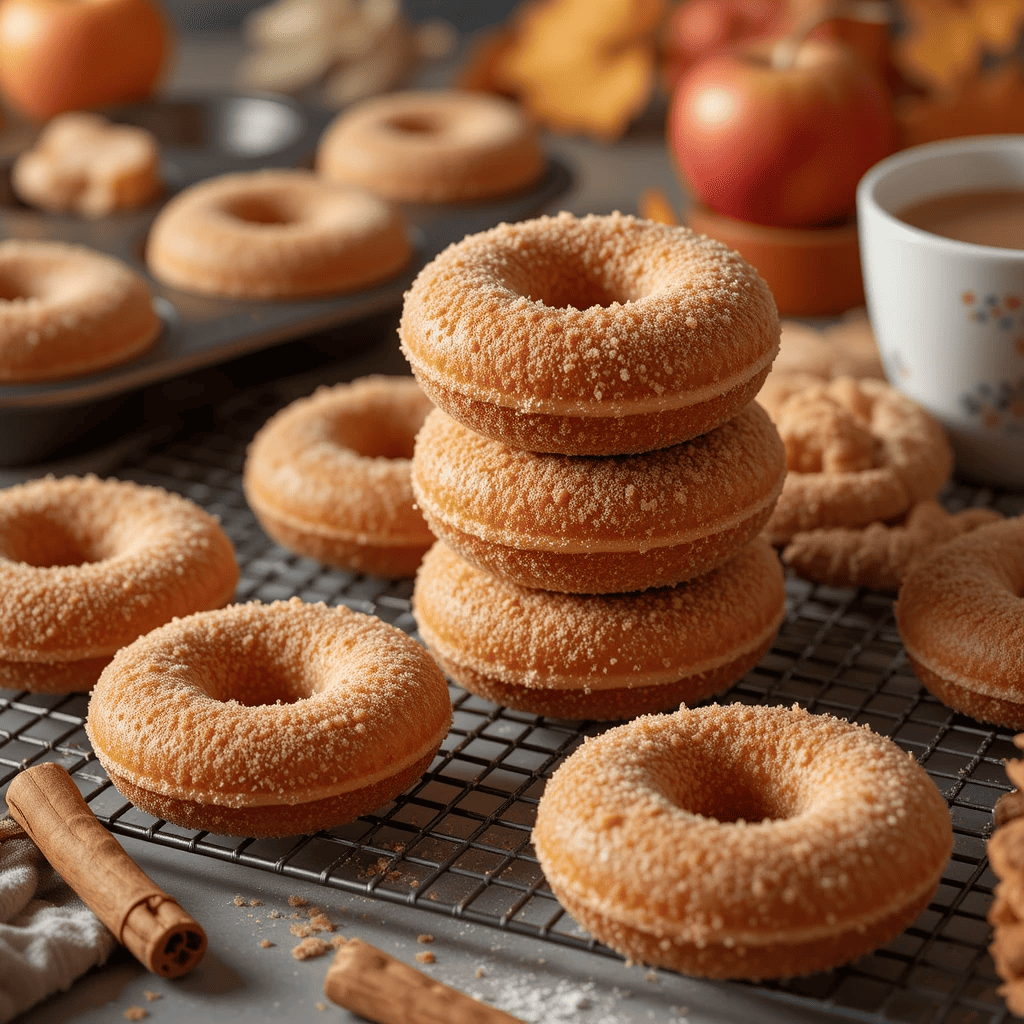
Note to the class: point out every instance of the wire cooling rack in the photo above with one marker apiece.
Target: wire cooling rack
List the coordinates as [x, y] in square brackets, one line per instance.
[458, 842]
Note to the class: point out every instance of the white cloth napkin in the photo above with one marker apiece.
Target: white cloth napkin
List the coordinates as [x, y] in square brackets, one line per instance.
[48, 936]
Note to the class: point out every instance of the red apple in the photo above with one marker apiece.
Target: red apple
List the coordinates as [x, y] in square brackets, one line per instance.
[58, 55]
[697, 28]
[777, 143]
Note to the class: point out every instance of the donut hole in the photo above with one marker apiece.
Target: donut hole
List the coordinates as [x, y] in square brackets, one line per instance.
[252, 676]
[46, 540]
[264, 209]
[416, 124]
[565, 279]
[380, 432]
[12, 287]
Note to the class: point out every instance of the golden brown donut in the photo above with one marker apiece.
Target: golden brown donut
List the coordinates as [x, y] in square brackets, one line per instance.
[742, 842]
[432, 147]
[66, 311]
[880, 554]
[607, 656]
[89, 565]
[598, 525]
[591, 336]
[961, 615]
[857, 452]
[275, 235]
[328, 476]
[268, 719]
[82, 163]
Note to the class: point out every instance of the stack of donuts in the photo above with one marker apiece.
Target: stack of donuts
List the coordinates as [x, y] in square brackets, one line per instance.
[595, 470]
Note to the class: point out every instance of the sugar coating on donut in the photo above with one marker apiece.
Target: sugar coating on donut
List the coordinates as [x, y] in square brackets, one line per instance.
[89, 565]
[857, 452]
[328, 476]
[275, 234]
[66, 310]
[594, 318]
[606, 656]
[271, 705]
[748, 832]
[432, 147]
[960, 613]
[598, 524]
[83, 163]
[880, 554]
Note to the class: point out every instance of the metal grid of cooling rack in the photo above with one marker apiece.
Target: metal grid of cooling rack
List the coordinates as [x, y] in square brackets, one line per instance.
[458, 842]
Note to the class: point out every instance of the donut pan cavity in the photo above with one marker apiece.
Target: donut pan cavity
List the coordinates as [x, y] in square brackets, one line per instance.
[458, 841]
[200, 138]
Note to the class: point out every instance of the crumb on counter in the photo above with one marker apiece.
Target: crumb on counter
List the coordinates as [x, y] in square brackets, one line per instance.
[254, 902]
[239, 901]
[297, 901]
[135, 1013]
[300, 931]
[337, 941]
[151, 997]
[308, 949]
[320, 922]
[266, 943]
[275, 914]
[321, 1007]
[425, 937]
[426, 957]
[480, 972]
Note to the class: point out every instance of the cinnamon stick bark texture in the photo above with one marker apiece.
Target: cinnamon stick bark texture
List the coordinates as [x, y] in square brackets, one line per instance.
[380, 988]
[46, 803]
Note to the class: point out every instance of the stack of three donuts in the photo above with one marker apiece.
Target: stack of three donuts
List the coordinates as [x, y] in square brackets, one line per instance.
[596, 471]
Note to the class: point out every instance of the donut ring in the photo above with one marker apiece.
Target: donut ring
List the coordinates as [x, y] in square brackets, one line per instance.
[66, 311]
[328, 476]
[594, 525]
[432, 147]
[592, 336]
[89, 565]
[275, 235]
[857, 452]
[605, 657]
[264, 720]
[742, 842]
[961, 615]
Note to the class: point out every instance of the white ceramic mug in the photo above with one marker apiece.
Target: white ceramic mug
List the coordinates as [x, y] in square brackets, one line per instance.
[949, 315]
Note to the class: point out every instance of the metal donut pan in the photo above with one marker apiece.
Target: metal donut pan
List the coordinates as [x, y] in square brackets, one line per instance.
[201, 137]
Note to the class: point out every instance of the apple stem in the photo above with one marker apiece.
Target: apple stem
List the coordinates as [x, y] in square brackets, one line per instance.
[873, 12]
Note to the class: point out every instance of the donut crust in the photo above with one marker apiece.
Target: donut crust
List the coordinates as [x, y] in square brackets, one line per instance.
[598, 525]
[960, 613]
[742, 842]
[856, 452]
[268, 720]
[89, 565]
[590, 336]
[328, 476]
[603, 657]
[69, 311]
[275, 235]
[432, 147]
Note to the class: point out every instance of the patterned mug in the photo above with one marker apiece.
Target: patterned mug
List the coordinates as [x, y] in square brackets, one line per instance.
[949, 314]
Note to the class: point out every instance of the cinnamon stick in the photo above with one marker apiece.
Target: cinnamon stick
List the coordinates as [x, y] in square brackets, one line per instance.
[380, 988]
[46, 803]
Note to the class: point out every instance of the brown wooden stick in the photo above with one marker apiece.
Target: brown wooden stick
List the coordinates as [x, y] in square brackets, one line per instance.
[380, 988]
[46, 803]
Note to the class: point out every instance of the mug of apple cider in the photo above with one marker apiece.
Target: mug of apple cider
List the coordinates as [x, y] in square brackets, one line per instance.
[942, 251]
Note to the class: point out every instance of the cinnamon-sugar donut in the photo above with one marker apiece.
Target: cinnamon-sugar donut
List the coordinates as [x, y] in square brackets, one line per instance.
[85, 164]
[328, 476]
[604, 656]
[742, 842]
[89, 565]
[66, 311]
[268, 719]
[598, 525]
[857, 452]
[273, 235]
[432, 147]
[880, 554]
[960, 613]
[591, 336]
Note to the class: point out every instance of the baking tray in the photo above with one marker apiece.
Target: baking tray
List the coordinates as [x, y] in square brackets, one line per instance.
[458, 842]
[199, 138]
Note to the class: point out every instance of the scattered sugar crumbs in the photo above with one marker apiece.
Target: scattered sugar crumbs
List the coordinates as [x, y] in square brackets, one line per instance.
[309, 949]
[297, 901]
[265, 943]
[426, 957]
[135, 1013]
[152, 997]
[425, 938]
[480, 973]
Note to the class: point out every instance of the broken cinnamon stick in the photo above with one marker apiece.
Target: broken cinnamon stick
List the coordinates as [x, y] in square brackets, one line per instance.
[46, 803]
[380, 988]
